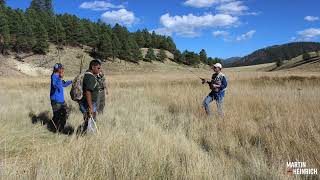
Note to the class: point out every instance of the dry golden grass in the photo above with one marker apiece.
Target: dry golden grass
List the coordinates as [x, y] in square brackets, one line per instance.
[155, 128]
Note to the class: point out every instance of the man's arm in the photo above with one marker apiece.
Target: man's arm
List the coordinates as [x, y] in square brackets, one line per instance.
[89, 101]
[66, 83]
[204, 81]
[224, 83]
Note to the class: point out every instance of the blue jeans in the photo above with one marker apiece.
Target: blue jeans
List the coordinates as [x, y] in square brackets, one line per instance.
[219, 103]
[84, 107]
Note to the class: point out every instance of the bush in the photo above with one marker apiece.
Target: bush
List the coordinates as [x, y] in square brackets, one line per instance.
[306, 56]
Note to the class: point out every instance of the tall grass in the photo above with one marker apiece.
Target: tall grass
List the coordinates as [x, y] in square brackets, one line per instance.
[155, 128]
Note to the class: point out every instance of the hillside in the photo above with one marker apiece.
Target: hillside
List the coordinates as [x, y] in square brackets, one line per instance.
[227, 62]
[41, 65]
[274, 53]
[312, 64]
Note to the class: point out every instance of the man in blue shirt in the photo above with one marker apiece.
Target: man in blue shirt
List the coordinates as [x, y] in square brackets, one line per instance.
[58, 104]
[218, 85]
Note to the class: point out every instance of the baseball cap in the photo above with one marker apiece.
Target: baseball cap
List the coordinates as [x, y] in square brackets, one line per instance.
[218, 65]
[58, 66]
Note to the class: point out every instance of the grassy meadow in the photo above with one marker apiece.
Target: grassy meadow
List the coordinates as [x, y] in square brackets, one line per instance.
[155, 127]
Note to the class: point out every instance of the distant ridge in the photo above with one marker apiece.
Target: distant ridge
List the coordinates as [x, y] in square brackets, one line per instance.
[274, 53]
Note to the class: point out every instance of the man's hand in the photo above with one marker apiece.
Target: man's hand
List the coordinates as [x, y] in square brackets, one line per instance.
[90, 113]
[89, 101]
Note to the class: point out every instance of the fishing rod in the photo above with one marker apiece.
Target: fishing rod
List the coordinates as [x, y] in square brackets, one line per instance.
[195, 74]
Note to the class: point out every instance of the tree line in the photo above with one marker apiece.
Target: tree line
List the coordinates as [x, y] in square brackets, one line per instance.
[33, 29]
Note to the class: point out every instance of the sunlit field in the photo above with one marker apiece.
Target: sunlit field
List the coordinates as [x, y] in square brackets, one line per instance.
[155, 127]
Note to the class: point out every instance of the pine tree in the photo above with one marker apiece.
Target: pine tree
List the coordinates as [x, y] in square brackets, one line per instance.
[177, 56]
[217, 60]
[147, 38]
[203, 56]
[210, 61]
[4, 33]
[91, 33]
[163, 44]
[140, 39]
[171, 45]
[135, 51]
[122, 34]
[279, 62]
[306, 56]
[28, 35]
[162, 55]
[72, 29]
[59, 37]
[48, 6]
[116, 45]
[23, 38]
[37, 5]
[104, 49]
[13, 21]
[154, 38]
[42, 5]
[80, 34]
[2, 2]
[150, 56]
[41, 35]
[191, 58]
[125, 52]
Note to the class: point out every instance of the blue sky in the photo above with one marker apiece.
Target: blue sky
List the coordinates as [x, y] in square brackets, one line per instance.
[224, 28]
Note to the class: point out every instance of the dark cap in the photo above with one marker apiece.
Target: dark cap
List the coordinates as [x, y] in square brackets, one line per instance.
[57, 66]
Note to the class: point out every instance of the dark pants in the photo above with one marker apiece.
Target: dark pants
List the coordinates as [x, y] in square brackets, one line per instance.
[60, 115]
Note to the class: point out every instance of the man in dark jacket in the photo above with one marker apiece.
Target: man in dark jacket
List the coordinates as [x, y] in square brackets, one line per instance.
[58, 104]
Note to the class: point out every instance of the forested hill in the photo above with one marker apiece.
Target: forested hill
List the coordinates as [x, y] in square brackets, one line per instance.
[32, 31]
[276, 53]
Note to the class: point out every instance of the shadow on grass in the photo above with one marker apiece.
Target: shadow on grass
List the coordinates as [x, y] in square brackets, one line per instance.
[55, 124]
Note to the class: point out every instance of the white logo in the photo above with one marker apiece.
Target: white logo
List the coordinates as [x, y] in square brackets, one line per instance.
[300, 168]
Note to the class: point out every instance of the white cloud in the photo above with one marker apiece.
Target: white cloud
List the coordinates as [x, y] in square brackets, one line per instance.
[235, 8]
[220, 33]
[311, 18]
[203, 3]
[224, 34]
[246, 36]
[308, 34]
[190, 25]
[99, 5]
[121, 16]
[230, 38]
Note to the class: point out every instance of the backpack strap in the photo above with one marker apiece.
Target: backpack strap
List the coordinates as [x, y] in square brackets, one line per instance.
[94, 78]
